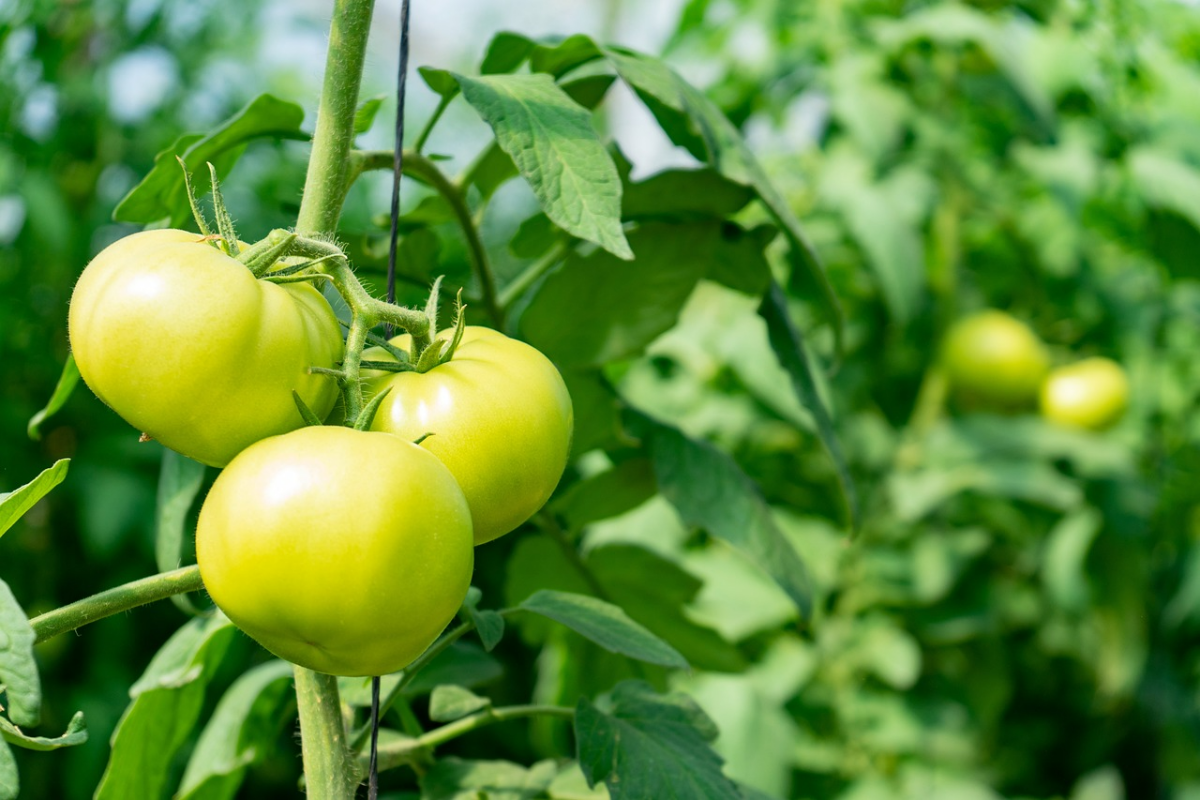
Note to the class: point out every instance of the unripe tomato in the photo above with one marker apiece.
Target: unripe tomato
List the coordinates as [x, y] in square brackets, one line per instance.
[183, 342]
[501, 420]
[1092, 393]
[995, 360]
[346, 552]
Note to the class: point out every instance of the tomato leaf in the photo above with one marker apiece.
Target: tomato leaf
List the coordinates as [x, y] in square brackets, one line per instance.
[605, 624]
[68, 379]
[643, 744]
[789, 349]
[439, 80]
[14, 504]
[161, 194]
[551, 140]
[685, 194]
[449, 702]
[710, 491]
[505, 53]
[1166, 181]
[364, 117]
[167, 701]
[455, 778]
[693, 121]
[655, 592]
[76, 733]
[244, 724]
[179, 482]
[597, 308]
[10, 783]
[488, 624]
[18, 669]
[607, 494]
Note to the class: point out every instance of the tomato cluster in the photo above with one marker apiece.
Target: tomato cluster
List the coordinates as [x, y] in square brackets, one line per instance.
[343, 550]
[996, 362]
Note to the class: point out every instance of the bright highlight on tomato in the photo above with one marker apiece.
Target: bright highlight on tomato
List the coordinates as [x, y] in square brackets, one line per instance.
[1092, 394]
[501, 420]
[188, 347]
[994, 359]
[342, 551]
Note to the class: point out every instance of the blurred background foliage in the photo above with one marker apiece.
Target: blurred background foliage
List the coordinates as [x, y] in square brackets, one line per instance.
[1017, 615]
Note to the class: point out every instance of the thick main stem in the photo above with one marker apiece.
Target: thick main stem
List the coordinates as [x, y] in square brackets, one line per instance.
[329, 768]
[328, 167]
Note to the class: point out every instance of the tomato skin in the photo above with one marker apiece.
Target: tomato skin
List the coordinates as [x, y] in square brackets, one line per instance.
[994, 360]
[187, 346]
[346, 552]
[501, 420]
[1091, 394]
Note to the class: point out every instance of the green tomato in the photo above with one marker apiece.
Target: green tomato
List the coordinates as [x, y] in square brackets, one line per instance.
[1092, 394]
[500, 418]
[183, 342]
[994, 360]
[346, 552]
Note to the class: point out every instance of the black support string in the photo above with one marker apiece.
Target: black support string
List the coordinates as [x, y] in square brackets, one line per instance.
[398, 160]
[397, 170]
[373, 786]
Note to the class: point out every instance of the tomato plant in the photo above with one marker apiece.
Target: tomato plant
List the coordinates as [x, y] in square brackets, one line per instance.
[1092, 393]
[700, 608]
[187, 346]
[994, 359]
[497, 401]
[306, 536]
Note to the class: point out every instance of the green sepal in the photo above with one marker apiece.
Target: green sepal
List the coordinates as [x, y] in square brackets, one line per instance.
[307, 413]
[312, 276]
[368, 413]
[224, 221]
[460, 327]
[379, 341]
[431, 306]
[431, 356]
[261, 256]
[197, 214]
[387, 366]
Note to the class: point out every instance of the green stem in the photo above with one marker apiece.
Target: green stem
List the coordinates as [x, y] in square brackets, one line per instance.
[521, 284]
[398, 753]
[356, 340]
[433, 651]
[329, 769]
[328, 168]
[114, 601]
[433, 120]
[426, 171]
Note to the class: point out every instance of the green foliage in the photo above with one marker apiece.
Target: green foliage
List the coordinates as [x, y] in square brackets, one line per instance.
[1015, 613]
[14, 504]
[642, 744]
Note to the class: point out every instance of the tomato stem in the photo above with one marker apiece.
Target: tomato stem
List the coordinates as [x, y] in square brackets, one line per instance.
[426, 171]
[395, 754]
[329, 769]
[116, 600]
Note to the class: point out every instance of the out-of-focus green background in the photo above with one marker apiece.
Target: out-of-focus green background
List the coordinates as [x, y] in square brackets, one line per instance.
[1018, 616]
